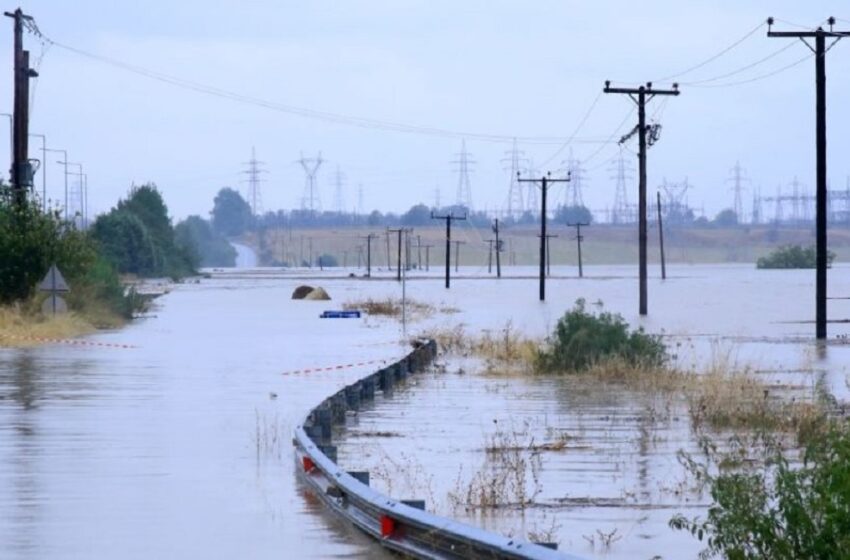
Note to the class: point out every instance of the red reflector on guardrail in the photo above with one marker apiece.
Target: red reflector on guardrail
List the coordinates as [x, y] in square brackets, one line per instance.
[387, 526]
[309, 465]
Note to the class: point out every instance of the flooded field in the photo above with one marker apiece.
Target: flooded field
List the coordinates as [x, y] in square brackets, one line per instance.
[180, 447]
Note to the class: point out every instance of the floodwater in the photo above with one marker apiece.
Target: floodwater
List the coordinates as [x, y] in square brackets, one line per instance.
[154, 452]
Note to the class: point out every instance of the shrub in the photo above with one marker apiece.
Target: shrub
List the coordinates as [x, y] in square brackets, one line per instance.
[781, 511]
[582, 339]
[30, 241]
[792, 256]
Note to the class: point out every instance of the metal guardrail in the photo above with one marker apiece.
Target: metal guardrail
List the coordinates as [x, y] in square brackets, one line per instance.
[400, 525]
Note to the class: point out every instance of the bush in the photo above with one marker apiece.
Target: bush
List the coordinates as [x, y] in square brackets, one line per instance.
[30, 241]
[780, 511]
[793, 256]
[583, 339]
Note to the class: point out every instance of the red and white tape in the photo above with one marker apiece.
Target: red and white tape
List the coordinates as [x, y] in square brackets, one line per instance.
[68, 341]
[336, 367]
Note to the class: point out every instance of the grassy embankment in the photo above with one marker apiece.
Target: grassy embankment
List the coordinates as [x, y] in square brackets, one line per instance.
[602, 244]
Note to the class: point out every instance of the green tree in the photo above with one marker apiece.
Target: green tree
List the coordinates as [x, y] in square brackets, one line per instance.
[126, 242]
[573, 214]
[418, 215]
[231, 215]
[726, 218]
[137, 236]
[196, 236]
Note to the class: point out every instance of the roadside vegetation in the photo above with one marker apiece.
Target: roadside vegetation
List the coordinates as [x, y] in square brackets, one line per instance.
[792, 256]
[775, 464]
[135, 237]
[390, 307]
[772, 502]
[208, 248]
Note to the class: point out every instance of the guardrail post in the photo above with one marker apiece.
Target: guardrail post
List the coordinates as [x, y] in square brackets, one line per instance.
[362, 476]
[387, 379]
[324, 417]
[418, 504]
[352, 396]
[329, 451]
[338, 407]
[367, 388]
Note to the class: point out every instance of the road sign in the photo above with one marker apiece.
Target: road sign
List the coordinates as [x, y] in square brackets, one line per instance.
[54, 284]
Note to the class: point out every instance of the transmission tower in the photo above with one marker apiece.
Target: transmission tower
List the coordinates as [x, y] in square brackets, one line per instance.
[516, 203]
[532, 202]
[573, 193]
[311, 201]
[253, 171]
[464, 189]
[622, 213]
[757, 215]
[737, 176]
[339, 199]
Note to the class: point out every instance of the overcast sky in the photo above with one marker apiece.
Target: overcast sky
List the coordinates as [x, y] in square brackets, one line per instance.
[528, 69]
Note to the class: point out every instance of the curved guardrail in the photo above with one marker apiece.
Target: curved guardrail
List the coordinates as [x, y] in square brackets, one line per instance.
[400, 525]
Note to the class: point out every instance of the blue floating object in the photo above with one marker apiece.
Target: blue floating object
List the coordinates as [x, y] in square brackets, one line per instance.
[340, 315]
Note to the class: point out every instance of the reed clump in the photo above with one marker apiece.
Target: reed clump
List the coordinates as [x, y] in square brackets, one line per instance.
[390, 307]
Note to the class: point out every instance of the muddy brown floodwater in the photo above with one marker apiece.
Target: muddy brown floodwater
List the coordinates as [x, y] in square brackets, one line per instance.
[180, 447]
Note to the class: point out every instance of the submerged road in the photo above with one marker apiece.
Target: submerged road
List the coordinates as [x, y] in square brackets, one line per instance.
[180, 447]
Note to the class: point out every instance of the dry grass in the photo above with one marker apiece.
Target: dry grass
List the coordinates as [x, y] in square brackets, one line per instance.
[504, 350]
[720, 397]
[390, 307]
[723, 396]
[509, 477]
[19, 328]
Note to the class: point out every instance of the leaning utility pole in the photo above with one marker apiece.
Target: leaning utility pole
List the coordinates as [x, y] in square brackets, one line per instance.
[490, 243]
[579, 239]
[498, 248]
[448, 218]
[21, 172]
[544, 187]
[819, 35]
[644, 94]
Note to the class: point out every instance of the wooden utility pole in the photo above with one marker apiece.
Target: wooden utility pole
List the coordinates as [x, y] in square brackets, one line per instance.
[490, 243]
[369, 239]
[458, 243]
[820, 36]
[21, 172]
[544, 188]
[498, 248]
[399, 232]
[549, 254]
[427, 257]
[660, 235]
[449, 218]
[579, 239]
[644, 94]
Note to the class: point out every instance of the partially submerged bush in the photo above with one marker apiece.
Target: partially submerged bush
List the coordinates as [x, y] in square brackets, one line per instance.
[783, 510]
[583, 339]
[792, 256]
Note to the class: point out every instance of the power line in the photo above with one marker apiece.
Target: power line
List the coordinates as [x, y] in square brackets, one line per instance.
[714, 57]
[336, 118]
[741, 69]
